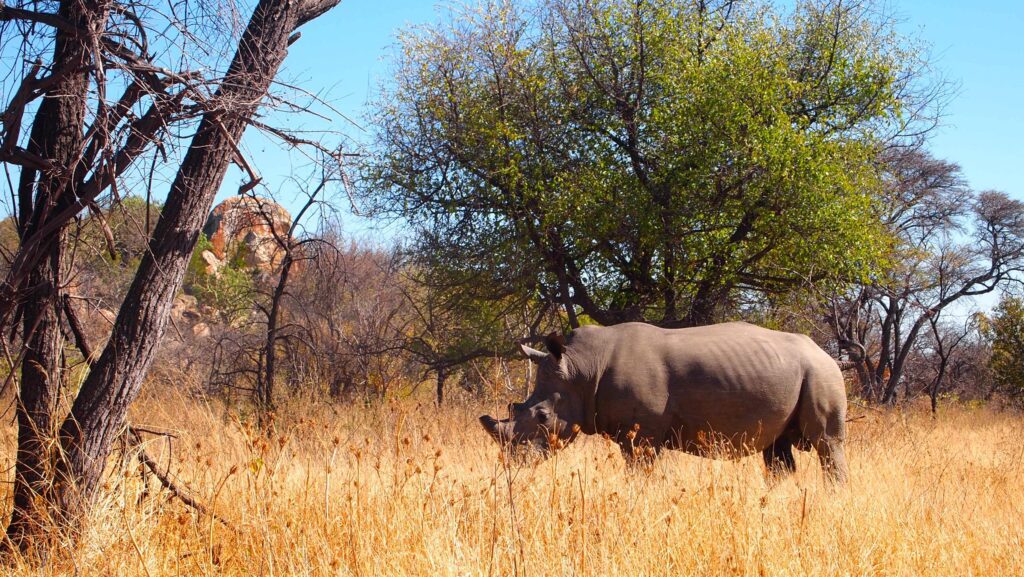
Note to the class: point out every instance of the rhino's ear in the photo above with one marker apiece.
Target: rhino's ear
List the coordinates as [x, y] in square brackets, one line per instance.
[533, 354]
[555, 344]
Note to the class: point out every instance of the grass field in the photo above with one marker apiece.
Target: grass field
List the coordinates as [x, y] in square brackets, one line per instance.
[402, 489]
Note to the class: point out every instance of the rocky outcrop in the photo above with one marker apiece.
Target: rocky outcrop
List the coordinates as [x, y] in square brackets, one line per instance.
[213, 264]
[243, 227]
[188, 315]
[185, 308]
[201, 330]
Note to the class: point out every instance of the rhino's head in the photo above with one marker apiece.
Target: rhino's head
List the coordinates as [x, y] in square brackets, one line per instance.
[553, 414]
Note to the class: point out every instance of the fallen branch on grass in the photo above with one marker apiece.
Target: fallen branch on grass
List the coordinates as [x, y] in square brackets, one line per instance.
[165, 480]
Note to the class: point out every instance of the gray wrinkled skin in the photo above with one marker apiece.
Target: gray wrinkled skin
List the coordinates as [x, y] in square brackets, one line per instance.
[723, 391]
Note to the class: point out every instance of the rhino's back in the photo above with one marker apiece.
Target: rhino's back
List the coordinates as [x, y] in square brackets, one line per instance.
[734, 382]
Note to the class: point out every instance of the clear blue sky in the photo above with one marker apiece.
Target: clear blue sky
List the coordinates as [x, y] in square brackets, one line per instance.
[980, 45]
[974, 44]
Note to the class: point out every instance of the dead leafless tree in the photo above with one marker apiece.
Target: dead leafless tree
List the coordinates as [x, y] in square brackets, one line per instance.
[952, 244]
[82, 142]
[948, 339]
[293, 249]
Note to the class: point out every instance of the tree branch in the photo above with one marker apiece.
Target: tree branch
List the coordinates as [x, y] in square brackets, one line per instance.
[81, 341]
[52, 20]
[168, 484]
[313, 9]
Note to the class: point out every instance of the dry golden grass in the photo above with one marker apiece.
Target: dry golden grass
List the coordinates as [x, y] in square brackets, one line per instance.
[401, 489]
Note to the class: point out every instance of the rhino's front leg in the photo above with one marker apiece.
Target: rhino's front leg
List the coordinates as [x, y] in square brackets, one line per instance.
[778, 458]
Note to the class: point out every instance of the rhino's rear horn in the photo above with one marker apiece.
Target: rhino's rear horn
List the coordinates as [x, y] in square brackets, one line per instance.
[533, 354]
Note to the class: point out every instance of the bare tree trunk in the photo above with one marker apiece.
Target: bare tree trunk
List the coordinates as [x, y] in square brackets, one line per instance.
[934, 393]
[705, 305]
[900, 360]
[265, 388]
[853, 345]
[945, 351]
[56, 135]
[567, 304]
[38, 401]
[442, 376]
[98, 413]
[266, 373]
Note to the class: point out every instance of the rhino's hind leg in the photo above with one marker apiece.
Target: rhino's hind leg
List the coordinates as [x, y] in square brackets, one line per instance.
[827, 436]
[778, 458]
[822, 420]
[833, 460]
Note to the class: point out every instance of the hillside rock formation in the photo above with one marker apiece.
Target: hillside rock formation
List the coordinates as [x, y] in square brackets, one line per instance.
[243, 227]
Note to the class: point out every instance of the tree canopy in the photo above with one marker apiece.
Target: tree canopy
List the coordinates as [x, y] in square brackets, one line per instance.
[646, 160]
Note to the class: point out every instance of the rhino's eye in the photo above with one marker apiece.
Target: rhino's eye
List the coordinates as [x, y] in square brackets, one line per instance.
[542, 417]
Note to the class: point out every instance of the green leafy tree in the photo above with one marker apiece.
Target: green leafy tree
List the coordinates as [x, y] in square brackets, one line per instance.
[647, 160]
[1006, 331]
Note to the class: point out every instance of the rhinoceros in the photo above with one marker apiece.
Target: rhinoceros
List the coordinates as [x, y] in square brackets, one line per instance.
[725, 390]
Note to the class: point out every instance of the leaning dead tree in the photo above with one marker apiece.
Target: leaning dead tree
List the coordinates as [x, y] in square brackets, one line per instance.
[69, 141]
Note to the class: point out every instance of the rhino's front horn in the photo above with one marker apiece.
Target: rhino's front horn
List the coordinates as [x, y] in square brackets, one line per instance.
[495, 429]
[490, 424]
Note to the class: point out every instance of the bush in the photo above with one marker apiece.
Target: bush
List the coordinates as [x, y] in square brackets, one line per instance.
[1006, 331]
[230, 291]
